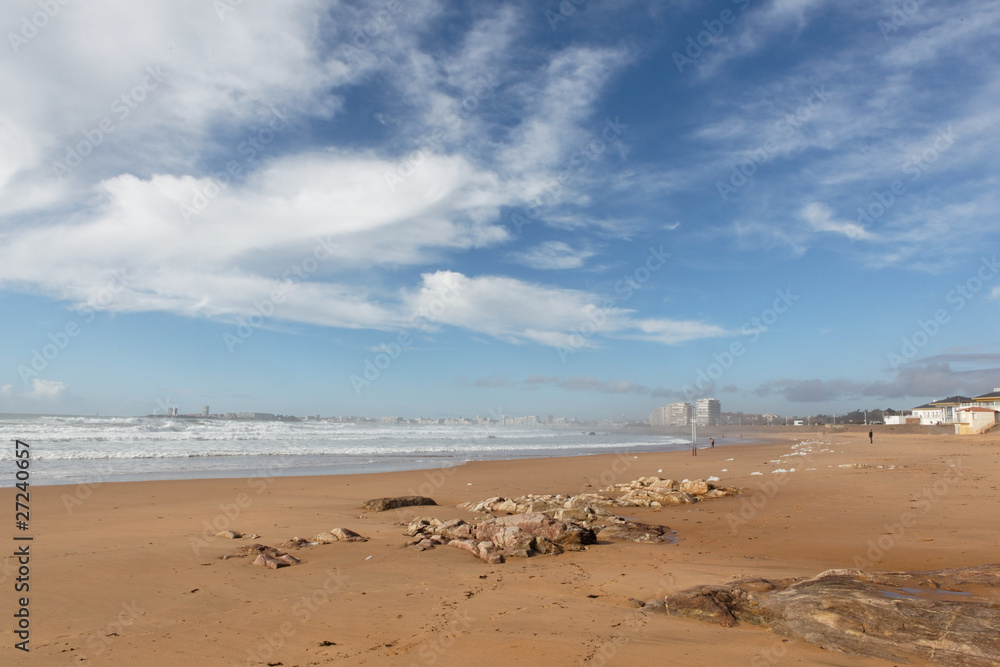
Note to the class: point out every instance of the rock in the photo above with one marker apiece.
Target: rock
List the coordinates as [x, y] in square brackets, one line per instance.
[345, 535]
[948, 617]
[698, 487]
[325, 538]
[383, 504]
[453, 529]
[508, 506]
[265, 556]
[513, 541]
[294, 543]
[267, 561]
[571, 515]
[423, 545]
[230, 534]
[489, 553]
[251, 549]
[634, 532]
[657, 492]
[545, 546]
[484, 550]
[647, 498]
[569, 535]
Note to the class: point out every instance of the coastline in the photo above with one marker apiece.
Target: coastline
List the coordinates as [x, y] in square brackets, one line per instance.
[128, 572]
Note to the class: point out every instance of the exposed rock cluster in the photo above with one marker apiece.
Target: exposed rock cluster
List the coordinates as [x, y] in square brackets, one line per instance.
[495, 538]
[948, 617]
[337, 535]
[383, 504]
[275, 557]
[642, 492]
[657, 492]
[265, 556]
[528, 533]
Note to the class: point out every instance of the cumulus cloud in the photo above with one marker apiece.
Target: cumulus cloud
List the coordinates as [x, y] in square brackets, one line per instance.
[200, 202]
[519, 311]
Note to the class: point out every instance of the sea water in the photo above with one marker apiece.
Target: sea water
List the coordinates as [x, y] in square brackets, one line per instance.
[75, 450]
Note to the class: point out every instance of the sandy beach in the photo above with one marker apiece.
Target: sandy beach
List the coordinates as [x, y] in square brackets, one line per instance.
[132, 573]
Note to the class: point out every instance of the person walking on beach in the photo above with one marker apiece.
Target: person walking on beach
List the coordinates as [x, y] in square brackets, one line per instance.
[713, 442]
[871, 437]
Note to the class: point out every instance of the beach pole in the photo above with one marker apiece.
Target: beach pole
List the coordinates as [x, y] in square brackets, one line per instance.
[694, 438]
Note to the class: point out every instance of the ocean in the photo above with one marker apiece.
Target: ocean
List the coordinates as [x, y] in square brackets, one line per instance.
[85, 450]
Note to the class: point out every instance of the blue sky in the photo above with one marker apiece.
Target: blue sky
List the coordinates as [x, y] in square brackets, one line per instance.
[451, 208]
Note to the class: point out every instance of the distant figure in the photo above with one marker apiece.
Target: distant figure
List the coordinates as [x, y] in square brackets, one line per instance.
[871, 437]
[713, 442]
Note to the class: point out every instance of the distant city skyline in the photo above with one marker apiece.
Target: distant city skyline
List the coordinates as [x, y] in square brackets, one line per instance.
[456, 208]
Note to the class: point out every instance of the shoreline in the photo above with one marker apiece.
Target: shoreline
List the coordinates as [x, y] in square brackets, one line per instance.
[102, 471]
[131, 573]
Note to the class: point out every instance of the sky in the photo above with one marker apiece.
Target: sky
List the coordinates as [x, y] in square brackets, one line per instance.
[580, 208]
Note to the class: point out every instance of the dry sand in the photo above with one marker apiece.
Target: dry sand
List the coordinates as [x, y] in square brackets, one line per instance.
[125, 576]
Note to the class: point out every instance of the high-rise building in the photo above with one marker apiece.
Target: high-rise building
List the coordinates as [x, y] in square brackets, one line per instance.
[707, 412]
[204, 411]
[675, 414]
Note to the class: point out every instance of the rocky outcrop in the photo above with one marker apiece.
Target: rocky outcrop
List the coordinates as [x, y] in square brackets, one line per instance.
[642, 492]
[497, 538]
[338, 535]
[536, 503]
[265, 556]
[383, 504]
[657, 492]
[346, 535]
[504, 531]
[948, 617]
[630, 531]
[294, 543]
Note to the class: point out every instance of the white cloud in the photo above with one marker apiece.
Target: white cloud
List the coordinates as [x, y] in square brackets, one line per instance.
[557, 105]
[46, 390]
[672, 332]
[820, 218]
[218, 79]
[253, 238]
[753, 29]
[554, 255]
[73, 75]
[518, 311]
[7, 390]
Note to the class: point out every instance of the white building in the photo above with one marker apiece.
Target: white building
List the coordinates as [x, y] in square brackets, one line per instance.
[946, 410]
[990, 400]
[708, 411]
[940, 412]
[675, 414]
[975, 418]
